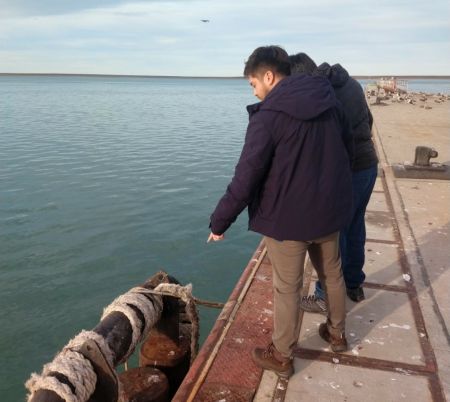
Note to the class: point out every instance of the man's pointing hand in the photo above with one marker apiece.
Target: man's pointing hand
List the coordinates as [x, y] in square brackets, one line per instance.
[215, 237]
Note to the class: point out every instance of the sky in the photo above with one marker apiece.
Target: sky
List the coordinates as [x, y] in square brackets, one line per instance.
[159, 37]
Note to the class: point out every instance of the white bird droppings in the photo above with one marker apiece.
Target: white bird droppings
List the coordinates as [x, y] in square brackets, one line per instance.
[400, 370]
[153, 379]
[281, 387]
[406, 326]
[369, 341]
[334, 385]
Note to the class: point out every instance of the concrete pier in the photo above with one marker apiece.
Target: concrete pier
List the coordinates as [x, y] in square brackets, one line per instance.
[399, 335]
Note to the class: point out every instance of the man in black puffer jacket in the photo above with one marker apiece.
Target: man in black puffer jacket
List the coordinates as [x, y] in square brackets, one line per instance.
[294, 175]
[364, 173]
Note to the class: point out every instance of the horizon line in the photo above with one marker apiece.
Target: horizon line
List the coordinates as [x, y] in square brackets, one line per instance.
[362, 76]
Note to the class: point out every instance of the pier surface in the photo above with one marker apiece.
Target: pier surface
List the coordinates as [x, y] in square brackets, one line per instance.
[398, 336]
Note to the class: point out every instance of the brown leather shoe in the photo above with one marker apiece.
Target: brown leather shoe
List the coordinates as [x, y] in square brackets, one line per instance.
[338, 344]
[270, 359]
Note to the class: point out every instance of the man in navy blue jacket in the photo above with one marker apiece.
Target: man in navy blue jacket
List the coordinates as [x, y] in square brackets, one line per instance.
[294, 176]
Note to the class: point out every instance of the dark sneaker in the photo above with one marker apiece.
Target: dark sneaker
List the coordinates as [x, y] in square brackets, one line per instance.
[356, 294]
[313, 304]
[270, 359]
[338, 344]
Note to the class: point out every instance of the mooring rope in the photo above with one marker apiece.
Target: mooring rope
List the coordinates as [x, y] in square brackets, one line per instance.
[79, 371]
[208, 303]
[83, 336]
[150, 309]
[38, 382]
[75, 367]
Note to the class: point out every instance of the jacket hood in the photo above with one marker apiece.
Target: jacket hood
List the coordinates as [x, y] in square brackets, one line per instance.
[337, 74]
[301, 96]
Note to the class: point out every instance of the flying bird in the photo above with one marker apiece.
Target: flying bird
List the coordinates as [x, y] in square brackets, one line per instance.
[204, 20]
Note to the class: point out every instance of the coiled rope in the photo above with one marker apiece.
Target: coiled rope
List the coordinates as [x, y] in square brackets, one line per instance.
[75, 367]
[150, 309]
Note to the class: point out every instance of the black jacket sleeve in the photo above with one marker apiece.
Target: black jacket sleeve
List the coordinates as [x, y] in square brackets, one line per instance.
[347, 133]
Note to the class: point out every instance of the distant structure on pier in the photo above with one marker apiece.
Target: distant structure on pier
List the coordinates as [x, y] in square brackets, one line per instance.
[393, 85]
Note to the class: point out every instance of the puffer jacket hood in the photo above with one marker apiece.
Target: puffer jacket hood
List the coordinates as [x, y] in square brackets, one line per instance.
[302, 96]
[337, 75]
[351, 96]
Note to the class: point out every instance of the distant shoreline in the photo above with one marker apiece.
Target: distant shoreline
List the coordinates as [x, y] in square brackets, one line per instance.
[359, 77]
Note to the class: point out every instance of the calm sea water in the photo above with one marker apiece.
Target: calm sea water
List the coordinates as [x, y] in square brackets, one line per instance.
[103, 182]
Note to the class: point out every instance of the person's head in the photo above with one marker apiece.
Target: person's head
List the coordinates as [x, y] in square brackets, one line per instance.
[265, 67]
[302, 63]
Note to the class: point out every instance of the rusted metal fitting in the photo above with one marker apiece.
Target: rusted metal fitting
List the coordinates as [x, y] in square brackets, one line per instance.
[144, 384]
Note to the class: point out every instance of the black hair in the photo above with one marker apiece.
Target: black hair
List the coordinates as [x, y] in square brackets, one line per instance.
[302, 63]
[269, 57]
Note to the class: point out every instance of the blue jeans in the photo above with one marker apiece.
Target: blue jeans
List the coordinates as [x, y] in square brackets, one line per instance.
[352, 238]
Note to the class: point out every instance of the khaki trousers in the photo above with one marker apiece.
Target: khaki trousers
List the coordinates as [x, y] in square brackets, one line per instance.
[288, 260]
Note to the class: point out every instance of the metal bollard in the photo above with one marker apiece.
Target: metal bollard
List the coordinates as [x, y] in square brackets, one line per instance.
[423, 155]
